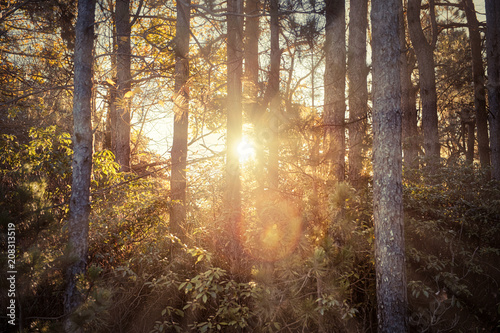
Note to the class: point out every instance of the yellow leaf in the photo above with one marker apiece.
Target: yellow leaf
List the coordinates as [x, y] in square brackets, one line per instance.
[162, 103]
[111, 82]
[129, 94]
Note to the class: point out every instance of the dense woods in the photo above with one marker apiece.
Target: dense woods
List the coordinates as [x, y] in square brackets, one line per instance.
[250, 166]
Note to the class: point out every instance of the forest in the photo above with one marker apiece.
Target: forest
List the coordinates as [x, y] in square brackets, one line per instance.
[250, 166]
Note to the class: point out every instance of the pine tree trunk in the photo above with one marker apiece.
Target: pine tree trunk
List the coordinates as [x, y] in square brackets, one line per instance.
[335, 73]
[181, 121]
[79, 206]
[274, 96]
[123, 60]
[408, 100]
[424, 51]
[358, 91]
[493, 57]
[387, 169]
[479, 89]
[234, 128]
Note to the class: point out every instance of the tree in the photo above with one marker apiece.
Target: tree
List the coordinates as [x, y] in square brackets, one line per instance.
[181, 120]
[408, 99]
[493, 57]
[478, 79]
[273, 97]
[234, 127]
[358, 92]
[335, 73]
[387, 169]
[121, 131]
[79, 207]
[425, 58]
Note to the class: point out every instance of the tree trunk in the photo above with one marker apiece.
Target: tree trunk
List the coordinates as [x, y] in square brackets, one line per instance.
[79, 206]
[358, 91]
[121, 143]
[408, 100]
[234, 128]
[274, 97]
[493, 57]
[479, 89]
[424, 51]
[387, 169]
[251, 86]
[181, 121]
[335, 73]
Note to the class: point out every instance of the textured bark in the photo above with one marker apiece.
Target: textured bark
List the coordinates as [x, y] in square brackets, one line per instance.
[181, 121]
[408, 99]
[79, 206]
[234, 127]
[493, 58]
[121, 144]
[479, 89]
[424, 51]
[387, 169]
[335, 73]
[358, 91]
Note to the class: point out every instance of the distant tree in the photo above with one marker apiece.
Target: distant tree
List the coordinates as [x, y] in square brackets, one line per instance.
[273, 97]
[234, 127]
[121, 132]
[181, 121]
[493, 57]
[424, 51]
[387, 169]
[357, 71]
[408, 98]
[335, 74]
[478, 80]
[79, 206]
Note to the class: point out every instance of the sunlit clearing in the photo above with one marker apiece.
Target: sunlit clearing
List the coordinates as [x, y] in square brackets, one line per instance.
[246, 150]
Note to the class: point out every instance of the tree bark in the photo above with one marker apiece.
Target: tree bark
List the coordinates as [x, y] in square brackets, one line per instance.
[121, 144]
[178, 183]
[387, 168]
[79, 206]
[479, 89]
[234, 128]
[408, 100]
[424, 51]
[493, 57]
[335, 73]
[358, 92]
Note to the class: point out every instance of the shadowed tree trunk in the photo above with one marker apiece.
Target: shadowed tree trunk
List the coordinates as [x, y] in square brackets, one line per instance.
[424, 51]
[408, 100]
[479, 89]
[121, 144]
[234, 129]
[335, 73]
[79, 206]
[493, 57]
[181, 121]
[274, 97]
[358, 91]
[387, 169]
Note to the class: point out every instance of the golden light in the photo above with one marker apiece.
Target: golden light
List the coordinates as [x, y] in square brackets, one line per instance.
[246, 150]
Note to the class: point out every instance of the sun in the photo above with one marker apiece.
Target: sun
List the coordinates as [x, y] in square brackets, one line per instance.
[246, 150]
